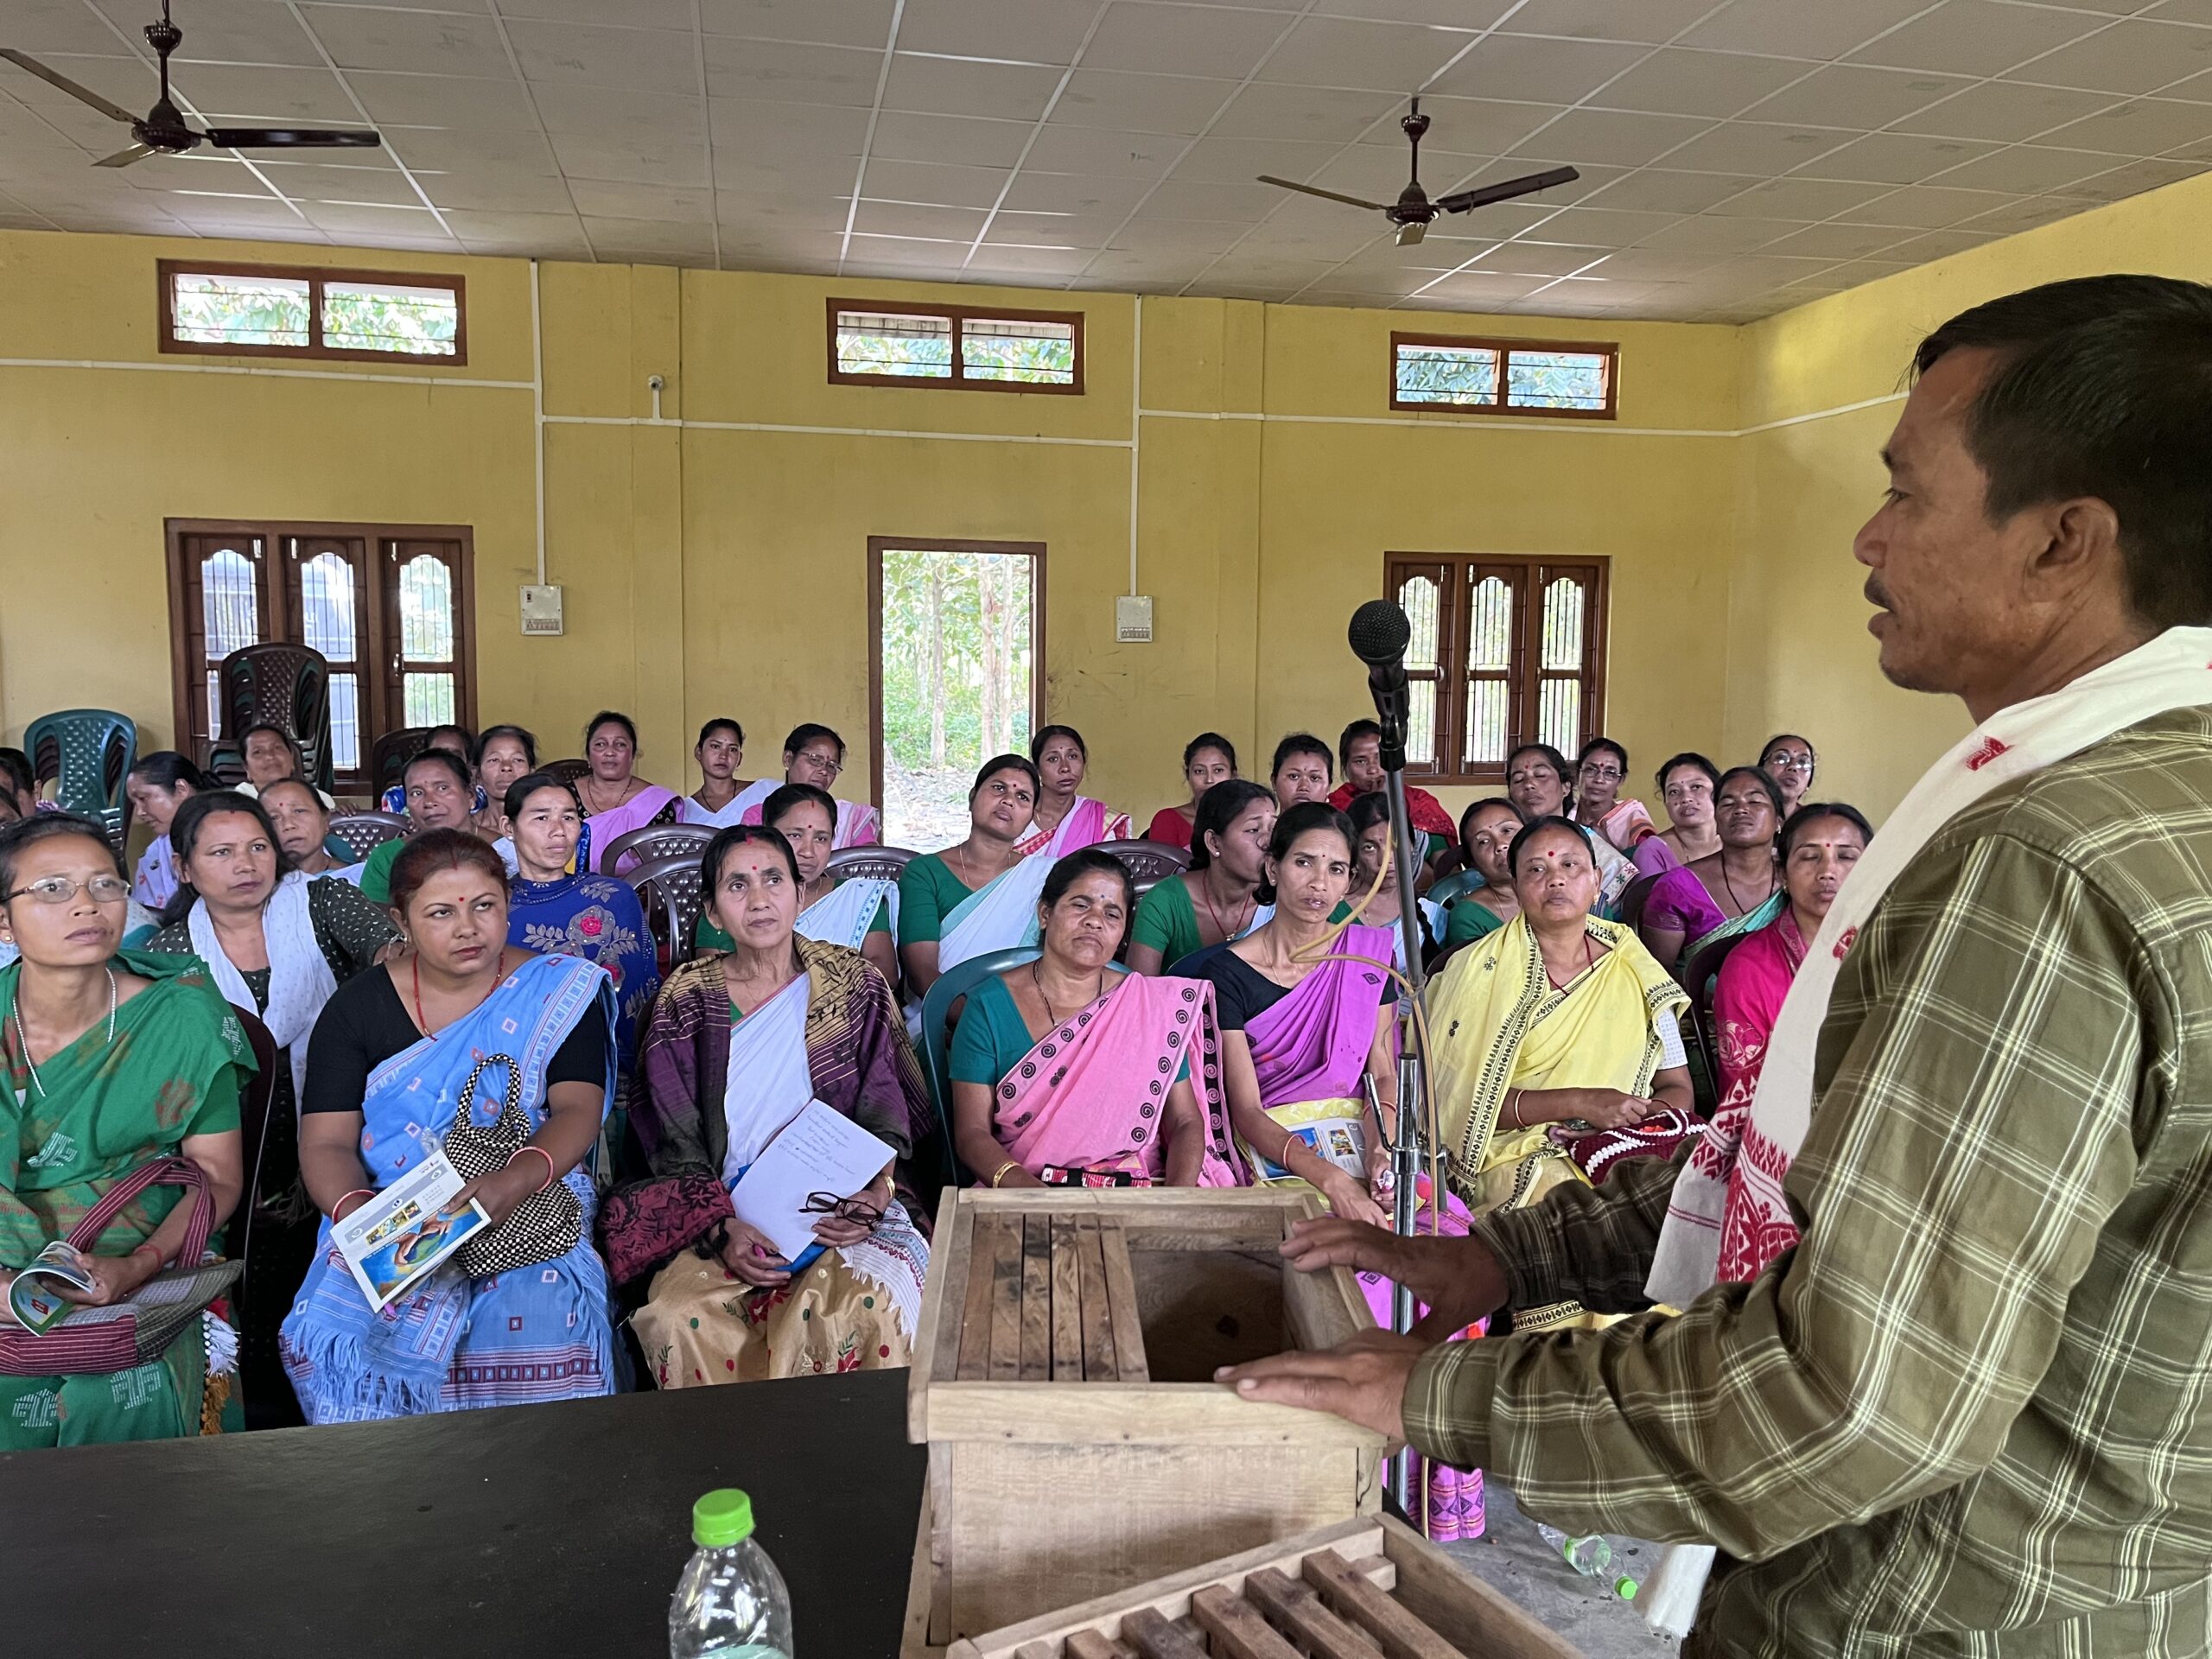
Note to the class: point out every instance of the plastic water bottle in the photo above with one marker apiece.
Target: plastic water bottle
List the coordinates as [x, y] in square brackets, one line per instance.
[731, 1602]
[1592, 1557]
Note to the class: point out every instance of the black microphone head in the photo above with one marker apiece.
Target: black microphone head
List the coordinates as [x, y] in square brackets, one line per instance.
[1380, 632]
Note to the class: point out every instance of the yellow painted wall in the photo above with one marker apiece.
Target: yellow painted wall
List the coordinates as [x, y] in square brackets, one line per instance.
[716, 562]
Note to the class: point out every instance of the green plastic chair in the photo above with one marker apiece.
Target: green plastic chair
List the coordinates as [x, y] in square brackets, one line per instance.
[936, 1042]
[88, 753]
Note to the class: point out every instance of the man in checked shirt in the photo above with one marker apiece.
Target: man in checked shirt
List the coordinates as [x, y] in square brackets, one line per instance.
[1969, 1410]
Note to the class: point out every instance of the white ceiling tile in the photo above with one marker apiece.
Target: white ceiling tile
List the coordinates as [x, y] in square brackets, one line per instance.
[1648, 22]
[1448, 14]
[1198, 40]
[783, 72]
[935, 181]
[2026, 215]
[1539, 259]
[1294, 234]
[1650, 264]
[615, 159]
[1936, 244]
[308, 182]
[1053, 229]
[1021, 265]
[2027, 169]
[2129, 57]
[1010, 92]
[1616, 137]
[1564, 71]
[1241, 267]
[760, 219]
[577, 55]
[1714, 235]
[600, 112]
[200, 170]
[1471, 126]
[1856, 95]
[1475, 290]
[963, 140]
[807, 254]
[215, 31]
[1037, 192]
[430, 151]
[2181, 11]
[1806, 198]
[1660, 190]
[2133, 178]
[1748, 147]
[2147, 126]
[902, 218]
[1030, 31]
[677, 203]
[491, 189]
[1177, 104]
[1378, 175]
[649, 241]
[1928, 207]
[1894, 157]
[266, 95]
[1977, 37]
[1233, 160]
[2004, 110]
[1328, 115]
[1820, 29]
[1139, 268]
[438, 43]
[341, 219]
[1344, 52]
[1863, 270]
[1678, 82]
[1838, 241]
[443, 103]
[48, 28]
[1245, 204]
[500, 232]
[635, 14]
[1097, 152]
[831, 23]
[782, 184]
[1144, 234]
[760, 129]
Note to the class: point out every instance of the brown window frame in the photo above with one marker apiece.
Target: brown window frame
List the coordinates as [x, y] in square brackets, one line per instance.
[1457, 575]
[314, 276]
[877, 546]
[381, 708]
[958, 315]
[1609, 350]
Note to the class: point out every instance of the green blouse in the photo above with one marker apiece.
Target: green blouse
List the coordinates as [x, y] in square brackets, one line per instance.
[928, 892]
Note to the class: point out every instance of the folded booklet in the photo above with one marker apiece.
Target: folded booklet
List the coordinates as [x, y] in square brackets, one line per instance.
[32, 1297]
[406, 1231]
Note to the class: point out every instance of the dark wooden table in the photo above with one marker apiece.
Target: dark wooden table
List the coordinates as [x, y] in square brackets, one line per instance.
[531, 1530]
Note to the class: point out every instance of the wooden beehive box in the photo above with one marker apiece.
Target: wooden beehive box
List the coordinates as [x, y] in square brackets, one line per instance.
[1346, 1591]
[1062, 1379]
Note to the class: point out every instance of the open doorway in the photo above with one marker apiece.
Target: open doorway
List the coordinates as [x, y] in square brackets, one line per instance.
[956, 631]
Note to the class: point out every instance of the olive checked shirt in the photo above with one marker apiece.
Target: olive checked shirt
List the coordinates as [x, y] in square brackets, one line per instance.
[1971, 1412]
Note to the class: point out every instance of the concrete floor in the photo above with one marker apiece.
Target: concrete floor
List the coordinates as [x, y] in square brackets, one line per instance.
[1512, 1557]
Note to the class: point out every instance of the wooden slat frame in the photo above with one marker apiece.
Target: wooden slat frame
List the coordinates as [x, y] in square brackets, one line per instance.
[314, 276]
[958, 317]
[1497, 407]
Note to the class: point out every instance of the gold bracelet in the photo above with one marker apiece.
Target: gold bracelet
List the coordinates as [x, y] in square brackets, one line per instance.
[1009, 1164]
[1516, 1104]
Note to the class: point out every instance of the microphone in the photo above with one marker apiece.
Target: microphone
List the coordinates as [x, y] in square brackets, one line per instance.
[1379, 636]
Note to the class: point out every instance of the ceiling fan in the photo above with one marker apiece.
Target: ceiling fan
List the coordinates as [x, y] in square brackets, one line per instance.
[1413, 211]
[161, 131]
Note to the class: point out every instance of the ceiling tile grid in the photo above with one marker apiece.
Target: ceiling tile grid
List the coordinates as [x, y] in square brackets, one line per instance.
[1737, 157]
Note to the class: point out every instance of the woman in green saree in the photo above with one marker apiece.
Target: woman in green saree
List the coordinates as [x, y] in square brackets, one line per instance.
[112, 1058]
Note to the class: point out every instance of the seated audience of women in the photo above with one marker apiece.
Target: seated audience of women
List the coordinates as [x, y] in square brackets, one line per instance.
[1486, 832]
[722, 798]
[1307, 1019]
[453, 739]
[302, 826]
[615, 799]
[1208, 758]
[1553, 1029]
[158, 784]
[1302, 770]
[980, 895]
[466, 1039]
[1687, 785]
[115, 1060]
[440, 787]
[1537, 781]
[279, 942]
[1735, 890]
[1066, 819]
[1598, 774]
[814, 755]
[503, 755]
[1067, 1072]
[1216, 900]
[1789, 760]
[555, 910]
[1360, 749]
[739, 1045]
[854, 912]
[1371, 823]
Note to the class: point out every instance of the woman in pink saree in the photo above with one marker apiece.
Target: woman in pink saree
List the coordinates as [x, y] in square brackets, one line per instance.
[1067, 1073]
[615, 799]
[1067, 819]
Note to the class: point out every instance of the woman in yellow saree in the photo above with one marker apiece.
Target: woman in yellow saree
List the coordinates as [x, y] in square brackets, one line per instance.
[1556, 1044]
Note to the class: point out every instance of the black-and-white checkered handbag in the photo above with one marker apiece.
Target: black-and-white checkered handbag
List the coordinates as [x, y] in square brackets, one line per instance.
[545, 1224]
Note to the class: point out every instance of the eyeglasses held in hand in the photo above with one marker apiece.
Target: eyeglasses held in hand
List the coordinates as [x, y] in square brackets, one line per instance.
[828, 1204]
[60, 889]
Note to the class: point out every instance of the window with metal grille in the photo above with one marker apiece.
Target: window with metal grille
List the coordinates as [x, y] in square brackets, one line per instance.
[1504, 376]
[300, 311]
[390, 607]
[955, 348]
[1505, 651]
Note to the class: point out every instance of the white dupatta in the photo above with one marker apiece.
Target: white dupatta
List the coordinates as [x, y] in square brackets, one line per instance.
[842, 915]
[2171, 671]
[300, 980]
[732, 811]
[999, 915]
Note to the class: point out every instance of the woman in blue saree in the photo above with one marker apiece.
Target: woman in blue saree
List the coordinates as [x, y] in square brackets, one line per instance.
[392, 1055]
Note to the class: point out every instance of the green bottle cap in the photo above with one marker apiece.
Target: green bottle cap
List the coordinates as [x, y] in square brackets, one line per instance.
[723, 1517]
[1625, 1588]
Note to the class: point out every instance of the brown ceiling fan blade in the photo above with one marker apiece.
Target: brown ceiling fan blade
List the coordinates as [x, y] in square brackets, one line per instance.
[1326, 195]
[82, 94]
[292, 137]
[1506, 190]
[124, 157]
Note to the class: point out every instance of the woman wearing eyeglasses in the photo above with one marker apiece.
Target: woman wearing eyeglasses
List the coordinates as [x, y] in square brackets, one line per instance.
[740, 1045]
[1598, 804]
[1789, 760]
[814, 755]
[113, 1060]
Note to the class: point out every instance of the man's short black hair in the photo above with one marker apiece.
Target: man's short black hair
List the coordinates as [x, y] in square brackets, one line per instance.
[2103, 388]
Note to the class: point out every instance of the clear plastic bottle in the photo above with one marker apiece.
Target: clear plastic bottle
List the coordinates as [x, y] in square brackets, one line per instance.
[1592, 1557]
[731, 1602]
